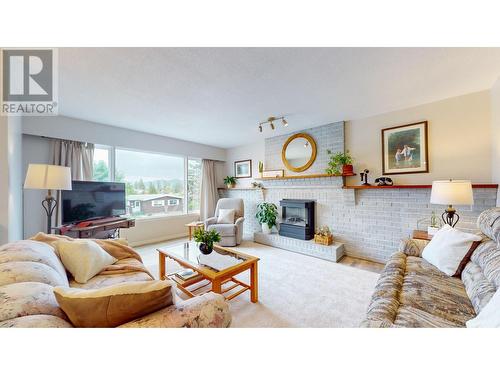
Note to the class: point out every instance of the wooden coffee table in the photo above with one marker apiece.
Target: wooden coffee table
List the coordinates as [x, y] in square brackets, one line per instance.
[218, 268]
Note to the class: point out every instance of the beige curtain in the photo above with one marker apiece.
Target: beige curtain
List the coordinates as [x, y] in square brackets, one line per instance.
[209, 194]
[79, 156]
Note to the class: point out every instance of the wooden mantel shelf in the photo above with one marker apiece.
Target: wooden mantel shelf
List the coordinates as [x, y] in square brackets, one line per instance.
[301, 176]
[360, 187]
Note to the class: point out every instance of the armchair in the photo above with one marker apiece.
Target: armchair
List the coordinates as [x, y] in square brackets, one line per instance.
[231, 234]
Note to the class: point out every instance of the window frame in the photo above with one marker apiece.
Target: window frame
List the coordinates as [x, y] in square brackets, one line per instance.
[185, 196]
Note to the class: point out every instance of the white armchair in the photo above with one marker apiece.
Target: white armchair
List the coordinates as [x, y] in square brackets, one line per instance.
[231, 234]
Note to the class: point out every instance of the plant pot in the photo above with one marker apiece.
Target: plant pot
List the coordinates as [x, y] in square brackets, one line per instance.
[230, 186]
[347, 169]
[266, 229]
[205, 249]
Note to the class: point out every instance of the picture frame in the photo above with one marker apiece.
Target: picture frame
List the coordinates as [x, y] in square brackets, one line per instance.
[405, 149]
[243, 168]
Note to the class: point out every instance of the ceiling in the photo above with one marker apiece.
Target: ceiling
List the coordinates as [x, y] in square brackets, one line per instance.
[217, 96]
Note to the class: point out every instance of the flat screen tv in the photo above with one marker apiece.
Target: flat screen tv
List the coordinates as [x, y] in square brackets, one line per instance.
[91, 200]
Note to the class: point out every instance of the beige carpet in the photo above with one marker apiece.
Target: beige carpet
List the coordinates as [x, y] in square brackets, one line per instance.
[296, 290]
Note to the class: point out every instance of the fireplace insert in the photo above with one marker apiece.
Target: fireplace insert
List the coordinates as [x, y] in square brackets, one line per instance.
[297, 218]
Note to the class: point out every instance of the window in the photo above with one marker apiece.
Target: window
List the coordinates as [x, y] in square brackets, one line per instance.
[193, 185]
[173, 202]
[148, 175]
[158, 203]
[102, 170]
[137, 204]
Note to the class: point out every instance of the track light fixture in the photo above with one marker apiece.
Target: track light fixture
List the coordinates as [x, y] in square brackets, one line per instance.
[271, 121]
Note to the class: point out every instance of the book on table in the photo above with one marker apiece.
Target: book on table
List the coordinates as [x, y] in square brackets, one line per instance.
[186, 274]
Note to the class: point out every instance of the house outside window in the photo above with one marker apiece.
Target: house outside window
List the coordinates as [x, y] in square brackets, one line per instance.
[158, 203]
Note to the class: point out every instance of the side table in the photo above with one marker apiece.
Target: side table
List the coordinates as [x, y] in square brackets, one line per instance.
[421, 235]
[194, 224]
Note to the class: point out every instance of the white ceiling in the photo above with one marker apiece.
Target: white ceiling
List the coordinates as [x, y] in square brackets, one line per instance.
[217, 96]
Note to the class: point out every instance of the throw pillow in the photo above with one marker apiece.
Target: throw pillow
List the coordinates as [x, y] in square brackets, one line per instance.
[113, 305]
[226, 216]
[489, 316]
[83, 258]
[448, 248]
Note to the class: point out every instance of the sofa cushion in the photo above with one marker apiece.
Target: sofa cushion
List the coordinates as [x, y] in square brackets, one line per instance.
[18, 272]
[36, 321]
[114, 305]
[225, 230]
[489, 317]
[481, 276]
[489, 223]
[427, 289]
[84, 259]
[33, 251]
[28, 298]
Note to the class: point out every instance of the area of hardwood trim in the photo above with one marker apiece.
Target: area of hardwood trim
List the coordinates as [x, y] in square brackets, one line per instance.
[298, 176]
[360, 187]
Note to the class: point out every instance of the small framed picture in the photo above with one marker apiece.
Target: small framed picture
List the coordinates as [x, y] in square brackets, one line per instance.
[404, 149]
[243, 168]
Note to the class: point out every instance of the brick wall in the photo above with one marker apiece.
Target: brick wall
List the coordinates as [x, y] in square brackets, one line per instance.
[370, 222]
[327, 137]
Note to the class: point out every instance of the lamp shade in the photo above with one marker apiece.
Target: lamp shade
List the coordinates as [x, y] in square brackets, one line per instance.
[48, 177]
[458, 192]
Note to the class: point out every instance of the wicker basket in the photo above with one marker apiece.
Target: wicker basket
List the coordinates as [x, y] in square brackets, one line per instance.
[323, 240]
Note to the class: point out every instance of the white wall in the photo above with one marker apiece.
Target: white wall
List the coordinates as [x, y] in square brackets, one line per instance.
[253, 151]
[85, 131]
[459, 139]
[37, 149]
[495, 136]
[10, 179]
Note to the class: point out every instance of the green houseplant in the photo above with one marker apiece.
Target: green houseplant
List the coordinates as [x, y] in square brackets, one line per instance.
[205, 239]
[340, 163]
[230, 182]
[266, 216]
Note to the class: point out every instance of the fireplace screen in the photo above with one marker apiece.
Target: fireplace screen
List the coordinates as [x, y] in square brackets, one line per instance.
[295, 216]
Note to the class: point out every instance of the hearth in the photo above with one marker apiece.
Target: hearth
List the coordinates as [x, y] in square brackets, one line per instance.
[297, 218]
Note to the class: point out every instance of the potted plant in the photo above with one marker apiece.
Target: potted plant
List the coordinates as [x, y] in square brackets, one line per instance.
[434, 225]
[230, 182]
[323, 235]
[339, 160]
[205, 239]
[266, 215]
[261, 168]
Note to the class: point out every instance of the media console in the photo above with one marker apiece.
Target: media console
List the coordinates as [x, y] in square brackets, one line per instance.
[102, 228]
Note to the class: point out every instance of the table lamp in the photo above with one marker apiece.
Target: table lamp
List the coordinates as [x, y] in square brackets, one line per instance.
[451, 192]
[48, 177]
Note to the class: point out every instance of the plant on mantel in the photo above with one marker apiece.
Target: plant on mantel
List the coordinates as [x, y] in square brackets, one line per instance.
[340, 163]
[230, 182]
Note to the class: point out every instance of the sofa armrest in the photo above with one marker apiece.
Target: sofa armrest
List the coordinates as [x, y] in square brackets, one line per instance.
[210, 221]
[209, 310]
[412, 247]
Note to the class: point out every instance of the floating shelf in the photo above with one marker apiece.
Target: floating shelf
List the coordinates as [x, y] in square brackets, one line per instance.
[298, 176]
[361, 187]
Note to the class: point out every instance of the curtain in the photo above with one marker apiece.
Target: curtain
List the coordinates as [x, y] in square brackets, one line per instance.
[209, 194]
[79, 156]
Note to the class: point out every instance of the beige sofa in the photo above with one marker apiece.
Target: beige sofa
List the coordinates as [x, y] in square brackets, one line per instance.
[413, 293]
[29, 270]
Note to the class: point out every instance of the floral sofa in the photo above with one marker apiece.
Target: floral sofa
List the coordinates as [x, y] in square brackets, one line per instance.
[29, 270]
[413, 293]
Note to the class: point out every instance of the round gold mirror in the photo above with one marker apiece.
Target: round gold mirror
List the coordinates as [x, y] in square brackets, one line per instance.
[299, 152]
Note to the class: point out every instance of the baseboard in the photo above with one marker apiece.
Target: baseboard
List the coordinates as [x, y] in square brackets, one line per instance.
[150, 241]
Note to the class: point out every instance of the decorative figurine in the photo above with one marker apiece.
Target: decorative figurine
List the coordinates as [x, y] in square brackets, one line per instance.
[364, 177]
[384, 181]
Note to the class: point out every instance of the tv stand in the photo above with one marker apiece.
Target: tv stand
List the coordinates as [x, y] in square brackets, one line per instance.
[100, 228]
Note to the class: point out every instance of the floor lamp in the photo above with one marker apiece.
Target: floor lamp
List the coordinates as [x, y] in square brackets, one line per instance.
[48, 177]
